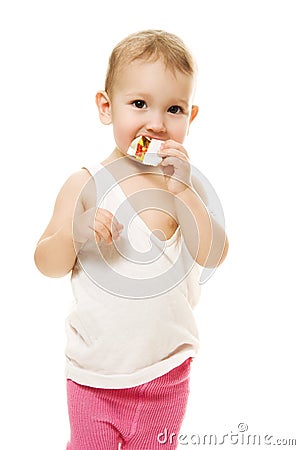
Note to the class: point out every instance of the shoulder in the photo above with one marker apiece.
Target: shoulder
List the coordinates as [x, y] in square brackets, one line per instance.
[74, 184]
[67, 201]
[77, 179]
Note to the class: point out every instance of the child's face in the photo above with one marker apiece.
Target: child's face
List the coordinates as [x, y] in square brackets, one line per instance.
[150, 100]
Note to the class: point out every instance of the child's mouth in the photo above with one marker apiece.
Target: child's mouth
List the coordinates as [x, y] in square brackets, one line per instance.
[144, 149]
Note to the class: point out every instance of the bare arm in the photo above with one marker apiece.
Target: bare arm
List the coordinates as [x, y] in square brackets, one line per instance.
[55, 254]
[204, 237]
[75, 220]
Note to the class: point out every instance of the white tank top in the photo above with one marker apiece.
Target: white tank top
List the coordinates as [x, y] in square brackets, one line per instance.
[132, 317]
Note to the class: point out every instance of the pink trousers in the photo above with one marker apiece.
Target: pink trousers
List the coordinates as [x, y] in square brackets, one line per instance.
[145, 417]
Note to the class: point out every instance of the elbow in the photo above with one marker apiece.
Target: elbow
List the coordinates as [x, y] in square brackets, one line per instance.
[225, 251]
[46, 268]
[51, 273]
[214, 257]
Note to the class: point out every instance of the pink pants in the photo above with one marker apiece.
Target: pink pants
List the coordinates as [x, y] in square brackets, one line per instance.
[138, 418]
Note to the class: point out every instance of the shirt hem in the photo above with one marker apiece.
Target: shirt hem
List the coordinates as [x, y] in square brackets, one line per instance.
[119, 381]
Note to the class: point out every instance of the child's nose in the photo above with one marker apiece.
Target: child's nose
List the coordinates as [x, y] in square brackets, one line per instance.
[156, 124]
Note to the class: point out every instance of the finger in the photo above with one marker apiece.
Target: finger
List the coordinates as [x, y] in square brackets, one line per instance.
[102, 232]
[104, 213]
[102, 227]
[177, 163]
[109, 220]
[107, 232]
[170, 144]
[173, 152]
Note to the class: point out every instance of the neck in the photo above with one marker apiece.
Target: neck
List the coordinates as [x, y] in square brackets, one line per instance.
[116, 154]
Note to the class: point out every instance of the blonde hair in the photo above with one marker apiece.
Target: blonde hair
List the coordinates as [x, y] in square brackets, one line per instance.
[149, 45]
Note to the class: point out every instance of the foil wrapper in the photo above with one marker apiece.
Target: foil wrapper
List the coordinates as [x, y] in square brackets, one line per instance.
[145, 149]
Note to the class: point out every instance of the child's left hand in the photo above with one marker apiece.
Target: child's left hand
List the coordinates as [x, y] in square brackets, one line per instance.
[176, 166]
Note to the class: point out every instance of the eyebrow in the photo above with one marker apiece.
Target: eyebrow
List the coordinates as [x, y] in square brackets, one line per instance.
[136, 94]
[182, 101]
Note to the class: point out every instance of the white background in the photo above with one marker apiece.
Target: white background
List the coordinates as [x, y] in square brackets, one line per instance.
[245, 140]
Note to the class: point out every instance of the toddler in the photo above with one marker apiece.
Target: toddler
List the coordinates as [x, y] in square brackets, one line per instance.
[134, 237]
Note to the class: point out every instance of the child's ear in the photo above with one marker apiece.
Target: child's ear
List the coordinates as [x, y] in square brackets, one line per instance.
[104, 107]
[194, 113]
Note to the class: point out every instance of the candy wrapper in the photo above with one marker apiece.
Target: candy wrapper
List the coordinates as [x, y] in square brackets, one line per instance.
[145, 149]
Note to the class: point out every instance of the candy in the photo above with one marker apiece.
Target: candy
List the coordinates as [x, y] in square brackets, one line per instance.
[145, 149]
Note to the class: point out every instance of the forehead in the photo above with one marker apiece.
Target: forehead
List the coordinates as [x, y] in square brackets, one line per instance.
[153, 77]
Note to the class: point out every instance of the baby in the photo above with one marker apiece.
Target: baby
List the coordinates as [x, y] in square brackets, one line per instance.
[135, 233]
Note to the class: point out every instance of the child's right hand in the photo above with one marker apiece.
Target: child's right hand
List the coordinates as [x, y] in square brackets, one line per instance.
[96, 223]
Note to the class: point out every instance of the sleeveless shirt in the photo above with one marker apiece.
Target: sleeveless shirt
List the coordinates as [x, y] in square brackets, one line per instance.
[132, 316]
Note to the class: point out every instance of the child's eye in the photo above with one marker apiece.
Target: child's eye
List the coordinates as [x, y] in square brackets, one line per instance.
[139, 104]
[175, 109]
